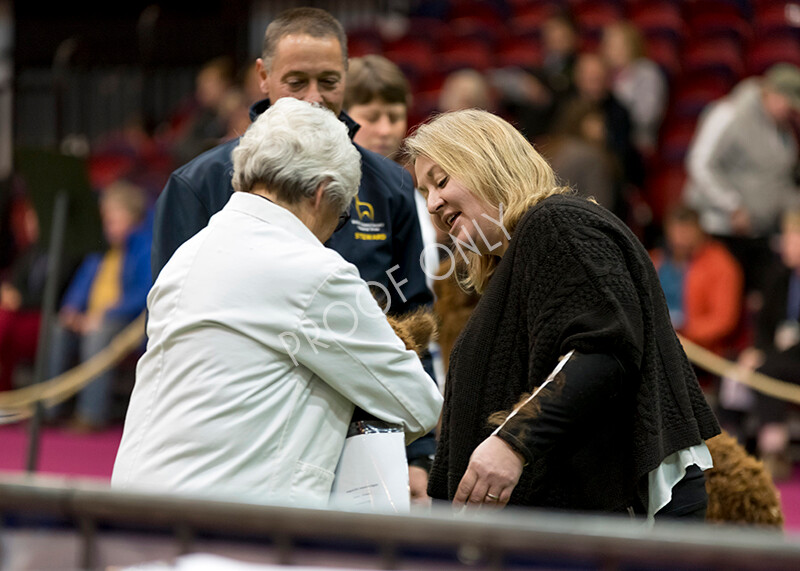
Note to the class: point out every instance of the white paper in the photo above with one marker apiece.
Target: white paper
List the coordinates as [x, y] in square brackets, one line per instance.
[373, 474]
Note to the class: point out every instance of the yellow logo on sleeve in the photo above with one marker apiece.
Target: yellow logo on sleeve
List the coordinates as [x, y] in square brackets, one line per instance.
[364, 209]
[366, 228]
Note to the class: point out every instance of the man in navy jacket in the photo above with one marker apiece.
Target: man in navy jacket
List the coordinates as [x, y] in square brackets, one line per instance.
[305, 56]
[307, 60]
[383, 238]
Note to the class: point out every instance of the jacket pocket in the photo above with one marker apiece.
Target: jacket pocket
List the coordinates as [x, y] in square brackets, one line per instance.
[311, 485]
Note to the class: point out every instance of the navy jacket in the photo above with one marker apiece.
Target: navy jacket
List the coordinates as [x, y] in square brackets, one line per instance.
[383, 239]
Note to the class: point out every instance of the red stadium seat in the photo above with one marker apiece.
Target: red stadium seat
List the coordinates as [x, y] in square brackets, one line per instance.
[693, 93]
[526, 25]
[471, 28]
[781, 18]
[516, 51]
[466, 54]
[707, 25]
[427, 28]
[426, 96]
[658, 19]
[534, 10]
[676, 135]
[362, 42]
[592, 17]
[766, 52]
[664, 189]
[692, 8]
[486, 11]
[664, 51]
[721, 56]
[105, 168]
[412, 54]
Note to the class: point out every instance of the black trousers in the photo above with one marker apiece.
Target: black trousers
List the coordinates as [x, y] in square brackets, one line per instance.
[755, 256]
[689, 497]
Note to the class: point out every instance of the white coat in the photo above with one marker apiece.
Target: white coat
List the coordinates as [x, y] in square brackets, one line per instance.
[261, 342]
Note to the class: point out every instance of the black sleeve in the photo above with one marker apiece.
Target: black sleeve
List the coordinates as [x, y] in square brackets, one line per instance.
[585, 383]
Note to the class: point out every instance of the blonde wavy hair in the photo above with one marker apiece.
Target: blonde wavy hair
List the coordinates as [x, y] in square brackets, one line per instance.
[495, 162]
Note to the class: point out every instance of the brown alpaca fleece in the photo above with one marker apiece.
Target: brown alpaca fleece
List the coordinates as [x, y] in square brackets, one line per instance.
[740, 489]
[416, 329]
[453, 306]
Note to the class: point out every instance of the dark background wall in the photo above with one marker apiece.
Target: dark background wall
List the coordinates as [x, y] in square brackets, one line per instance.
[85, 71]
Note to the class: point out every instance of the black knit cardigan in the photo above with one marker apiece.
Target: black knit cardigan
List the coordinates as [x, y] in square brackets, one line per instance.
[573, 277]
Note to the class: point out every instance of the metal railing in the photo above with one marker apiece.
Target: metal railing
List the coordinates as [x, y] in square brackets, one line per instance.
[517, 538]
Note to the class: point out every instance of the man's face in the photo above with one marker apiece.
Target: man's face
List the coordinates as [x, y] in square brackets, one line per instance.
[306, 68]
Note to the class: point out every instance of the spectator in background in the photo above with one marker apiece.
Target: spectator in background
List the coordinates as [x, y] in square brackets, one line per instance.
[533, 97]
[466, 89]
[776, 347]
[560, 40]
[592, 83]
[107, 292]
[701, 280]
[578, 154]
[637, 82]
[206, 124]
[21, 301]
[741, 166]
[377, 97]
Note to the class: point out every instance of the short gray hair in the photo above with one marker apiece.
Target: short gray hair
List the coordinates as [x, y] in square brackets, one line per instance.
[292, 148]
[314, 22]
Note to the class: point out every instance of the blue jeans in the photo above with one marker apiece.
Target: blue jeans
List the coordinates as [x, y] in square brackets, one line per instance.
[67, 349]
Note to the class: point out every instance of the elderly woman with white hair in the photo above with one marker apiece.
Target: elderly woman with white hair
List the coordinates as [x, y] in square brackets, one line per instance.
[261, 340]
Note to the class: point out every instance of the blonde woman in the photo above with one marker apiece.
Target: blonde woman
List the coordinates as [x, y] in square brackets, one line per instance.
[622, 427]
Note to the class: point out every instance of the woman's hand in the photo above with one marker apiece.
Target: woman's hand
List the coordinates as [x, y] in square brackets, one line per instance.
[493, 472]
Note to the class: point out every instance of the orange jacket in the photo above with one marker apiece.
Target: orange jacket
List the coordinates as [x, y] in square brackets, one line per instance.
[712, 296]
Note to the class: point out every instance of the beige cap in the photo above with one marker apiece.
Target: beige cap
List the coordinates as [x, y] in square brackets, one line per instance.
[784, 78]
